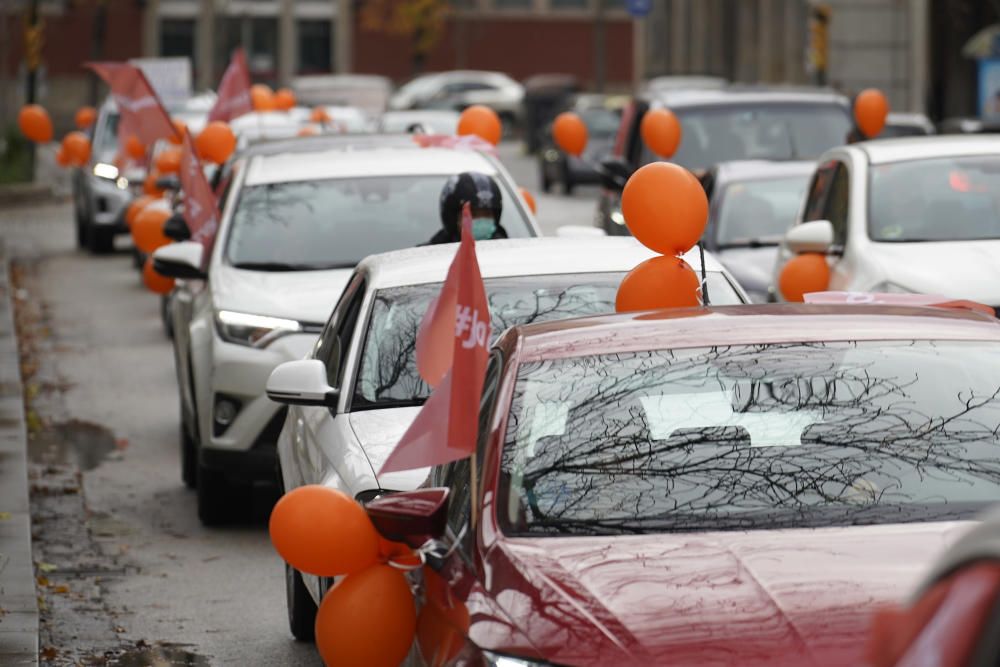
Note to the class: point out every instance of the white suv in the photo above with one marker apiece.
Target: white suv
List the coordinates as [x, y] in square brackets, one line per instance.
[297, 219]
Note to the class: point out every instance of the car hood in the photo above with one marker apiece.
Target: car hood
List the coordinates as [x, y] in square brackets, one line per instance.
[784, 597]
[957, 269]
[751, 267]
[378, 432]
[306, 296]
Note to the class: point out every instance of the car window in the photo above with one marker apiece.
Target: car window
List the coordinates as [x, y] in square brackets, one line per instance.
[745, 437]
[334, 223]
[837, 206]
[758, 211]
[819, 188]
[331, 348]
[106, 137]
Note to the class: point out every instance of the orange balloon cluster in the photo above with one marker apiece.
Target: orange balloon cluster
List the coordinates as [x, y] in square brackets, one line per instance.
[871, 108]
[85, 117]
[168, 161]
[134, 148]
[61, 158]
[150, 187]
[76, 148]
[442, 624]
[319, 115]
[35, 123]
[262, 97]
[147, 228]
[135, 207]
[805, 273]
[216, 142]
[284, 99]
[661, 131]
[155, 282]
[570, 133]
[666, 209]
[482, 122]
[369, 617]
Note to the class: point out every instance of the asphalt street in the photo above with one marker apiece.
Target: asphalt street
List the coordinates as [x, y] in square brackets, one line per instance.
[105, 401]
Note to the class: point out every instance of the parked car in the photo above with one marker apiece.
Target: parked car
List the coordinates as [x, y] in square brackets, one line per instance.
[602, 116]
[459, 89]
[733, 123]
[660, 84]
[369, 92]
[735, 485]
[752, 203]
[365, 362]
[907, 215]
[428, 121]
[295, 222]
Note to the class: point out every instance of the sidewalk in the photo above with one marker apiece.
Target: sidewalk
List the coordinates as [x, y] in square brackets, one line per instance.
[18, 599]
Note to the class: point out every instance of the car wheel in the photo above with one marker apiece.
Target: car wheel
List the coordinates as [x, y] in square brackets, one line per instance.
[301, 608]
[189, 458]
[100, 240]
[219, 501]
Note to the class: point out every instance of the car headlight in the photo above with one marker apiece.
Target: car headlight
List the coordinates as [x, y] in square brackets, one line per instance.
[617, 218]
[887, 287]
[105, 170]
[253, 330]
[497, 660]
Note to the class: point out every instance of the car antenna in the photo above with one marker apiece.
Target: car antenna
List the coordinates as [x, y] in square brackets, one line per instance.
[705, 301]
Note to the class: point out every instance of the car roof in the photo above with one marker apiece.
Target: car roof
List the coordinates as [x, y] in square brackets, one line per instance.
[324, 142]
[752, 170]
[738, 95]
[516, 257]
[358, 161]
[744, 325]
[883, 151]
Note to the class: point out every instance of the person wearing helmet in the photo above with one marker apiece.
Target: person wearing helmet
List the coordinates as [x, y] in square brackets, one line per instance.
[483, 196]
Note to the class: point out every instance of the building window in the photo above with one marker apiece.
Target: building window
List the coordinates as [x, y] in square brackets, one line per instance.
[314, 47]
[512, 4]
[569, 4]
[177, 38]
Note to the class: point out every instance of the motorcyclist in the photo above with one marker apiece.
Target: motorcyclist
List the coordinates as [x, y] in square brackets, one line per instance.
[482, 194]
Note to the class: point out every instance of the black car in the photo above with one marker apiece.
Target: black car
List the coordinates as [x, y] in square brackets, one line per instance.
[602, 116]
[733, 123]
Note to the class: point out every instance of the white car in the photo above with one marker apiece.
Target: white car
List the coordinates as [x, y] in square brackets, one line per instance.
[352, 400]
[906, 215]
[295, 223]
[459, 89]
[429, 121]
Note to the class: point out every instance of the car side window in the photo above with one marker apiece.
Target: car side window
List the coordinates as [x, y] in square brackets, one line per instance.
[836, 208]
[329, 346]
[819, 188]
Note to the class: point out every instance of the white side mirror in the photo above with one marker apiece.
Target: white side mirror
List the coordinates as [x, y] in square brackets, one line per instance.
[579, 232]
[814, 236]
[180, 260]
[301, 383]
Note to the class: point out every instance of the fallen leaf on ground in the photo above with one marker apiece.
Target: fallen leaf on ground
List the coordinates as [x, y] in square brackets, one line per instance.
[46, 567]
[49, 653]
[62, 589]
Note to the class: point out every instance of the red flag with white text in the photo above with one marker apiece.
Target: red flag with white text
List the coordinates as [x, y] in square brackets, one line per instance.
[445, 428]
[142, 113]
[234, 90]
[201, 210]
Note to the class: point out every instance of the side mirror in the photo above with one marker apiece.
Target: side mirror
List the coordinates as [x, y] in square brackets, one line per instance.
[579, 232]
[412, 517]
[814, 236]
[301, 382]
[615, 172]
[180, 260]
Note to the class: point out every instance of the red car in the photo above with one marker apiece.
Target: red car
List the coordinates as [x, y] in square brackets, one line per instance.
[723, 486]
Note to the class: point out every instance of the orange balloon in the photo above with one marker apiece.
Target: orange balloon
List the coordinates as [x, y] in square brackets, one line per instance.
[35, 123]
[155, 282]
[147, 229]
[262, 97]
[323, 531]
[85, 117]
[441, 631]
[308, 131]
[134, 148]
[216, 142]
[570, 133]
[665, 208]
[134, 208]
[659, 282]
[76, 146]
[284, 99]
[61, 158]
[482, 122]
[180, 127]
[319, 115]
[870, 111]
[150, 187]
[366, 620]
[169, 161]
[803, 274]
[661, 131]
[529, 199]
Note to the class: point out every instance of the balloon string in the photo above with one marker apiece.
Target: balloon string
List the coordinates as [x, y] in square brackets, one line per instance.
[430, 548]
[705, 301]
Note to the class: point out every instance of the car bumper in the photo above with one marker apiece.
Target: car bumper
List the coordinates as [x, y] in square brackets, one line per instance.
[108, 202]
[245, 448]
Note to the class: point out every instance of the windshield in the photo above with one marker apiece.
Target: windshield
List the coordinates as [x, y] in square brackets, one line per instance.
[944, 199]
[601, 123]
[387, 375]
[753, 437]
[773, 132]
[759, 211]
[306, 225]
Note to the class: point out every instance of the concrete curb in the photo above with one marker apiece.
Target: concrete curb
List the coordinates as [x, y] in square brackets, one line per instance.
[18, 599]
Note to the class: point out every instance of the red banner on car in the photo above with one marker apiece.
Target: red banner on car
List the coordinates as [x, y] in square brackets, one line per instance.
[234, 90]
[142, 113]
[201, 209]
[445, 428]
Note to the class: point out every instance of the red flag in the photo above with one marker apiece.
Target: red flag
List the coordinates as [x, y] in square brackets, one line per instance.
[142, 113]
[201, 209]
[445, 428]
[234, 90]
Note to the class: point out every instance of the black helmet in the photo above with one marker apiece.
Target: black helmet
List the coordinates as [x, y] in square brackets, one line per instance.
[470, 187]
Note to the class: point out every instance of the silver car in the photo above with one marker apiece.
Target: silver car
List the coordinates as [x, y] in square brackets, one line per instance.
[354, 397]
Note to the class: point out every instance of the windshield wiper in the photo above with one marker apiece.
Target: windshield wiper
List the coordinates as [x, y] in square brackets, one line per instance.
[750, 243]
[361, 403]
[284, 266]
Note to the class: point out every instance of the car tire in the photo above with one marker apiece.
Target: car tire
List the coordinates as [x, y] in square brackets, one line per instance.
[301, 607]
[100, 240]
[219, 501]
[189, 459]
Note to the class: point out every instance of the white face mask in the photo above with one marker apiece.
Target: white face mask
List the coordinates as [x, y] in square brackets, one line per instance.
[483, 228]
